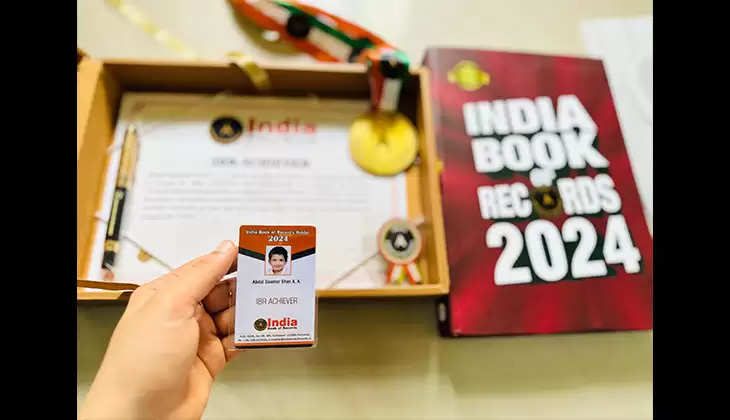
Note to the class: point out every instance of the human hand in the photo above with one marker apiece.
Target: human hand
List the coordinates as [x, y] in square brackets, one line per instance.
[167, 350]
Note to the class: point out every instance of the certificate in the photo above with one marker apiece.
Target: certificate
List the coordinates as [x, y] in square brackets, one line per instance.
[280, 161]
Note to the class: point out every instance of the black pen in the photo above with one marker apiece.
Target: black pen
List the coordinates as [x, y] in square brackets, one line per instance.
[125, 177]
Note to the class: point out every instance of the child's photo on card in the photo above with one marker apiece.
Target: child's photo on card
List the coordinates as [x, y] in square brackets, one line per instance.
[277, 260]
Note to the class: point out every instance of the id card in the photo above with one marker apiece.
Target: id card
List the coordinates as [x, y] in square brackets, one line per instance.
[275, 290]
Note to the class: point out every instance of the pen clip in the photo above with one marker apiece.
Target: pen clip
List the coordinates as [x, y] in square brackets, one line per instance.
[129, 158]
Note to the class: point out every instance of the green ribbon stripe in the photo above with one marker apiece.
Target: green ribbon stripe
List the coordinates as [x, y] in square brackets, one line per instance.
[356, 44]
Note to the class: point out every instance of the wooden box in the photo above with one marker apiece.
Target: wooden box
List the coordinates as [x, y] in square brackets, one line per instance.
[99, 90]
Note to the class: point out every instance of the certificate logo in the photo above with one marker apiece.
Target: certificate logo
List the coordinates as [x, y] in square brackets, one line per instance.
[226, 129]
[260, 324]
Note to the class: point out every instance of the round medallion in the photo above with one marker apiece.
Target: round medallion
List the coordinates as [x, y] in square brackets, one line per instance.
[226, 130]
[400, 241]
[260, 324]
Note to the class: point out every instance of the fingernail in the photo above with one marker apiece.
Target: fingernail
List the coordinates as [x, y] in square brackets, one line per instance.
[224, 246]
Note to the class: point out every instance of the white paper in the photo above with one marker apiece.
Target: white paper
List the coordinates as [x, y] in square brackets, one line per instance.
[625, 46]
[187, 197]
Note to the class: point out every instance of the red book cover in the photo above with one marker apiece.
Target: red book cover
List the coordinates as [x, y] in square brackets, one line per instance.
[545, 232]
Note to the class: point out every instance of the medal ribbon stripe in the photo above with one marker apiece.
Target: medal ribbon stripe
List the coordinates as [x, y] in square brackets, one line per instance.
[316, 23]
[342, 41]
[259, 77]
[135, 16]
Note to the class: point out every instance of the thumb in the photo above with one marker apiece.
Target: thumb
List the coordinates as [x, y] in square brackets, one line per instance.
[195, 279]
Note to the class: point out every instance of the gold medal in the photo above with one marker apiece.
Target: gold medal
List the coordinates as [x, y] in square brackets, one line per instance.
[383, 143]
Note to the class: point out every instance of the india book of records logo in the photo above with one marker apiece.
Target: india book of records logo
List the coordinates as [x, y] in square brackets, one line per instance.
[226, 129]
[546, 201]
[260, 324]
[468, 76]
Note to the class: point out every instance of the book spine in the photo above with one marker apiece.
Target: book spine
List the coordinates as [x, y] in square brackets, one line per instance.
[431, 61]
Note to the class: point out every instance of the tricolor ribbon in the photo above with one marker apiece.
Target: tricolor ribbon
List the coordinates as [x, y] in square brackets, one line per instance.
[327, 37]
[259, 77]
[396, 272]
